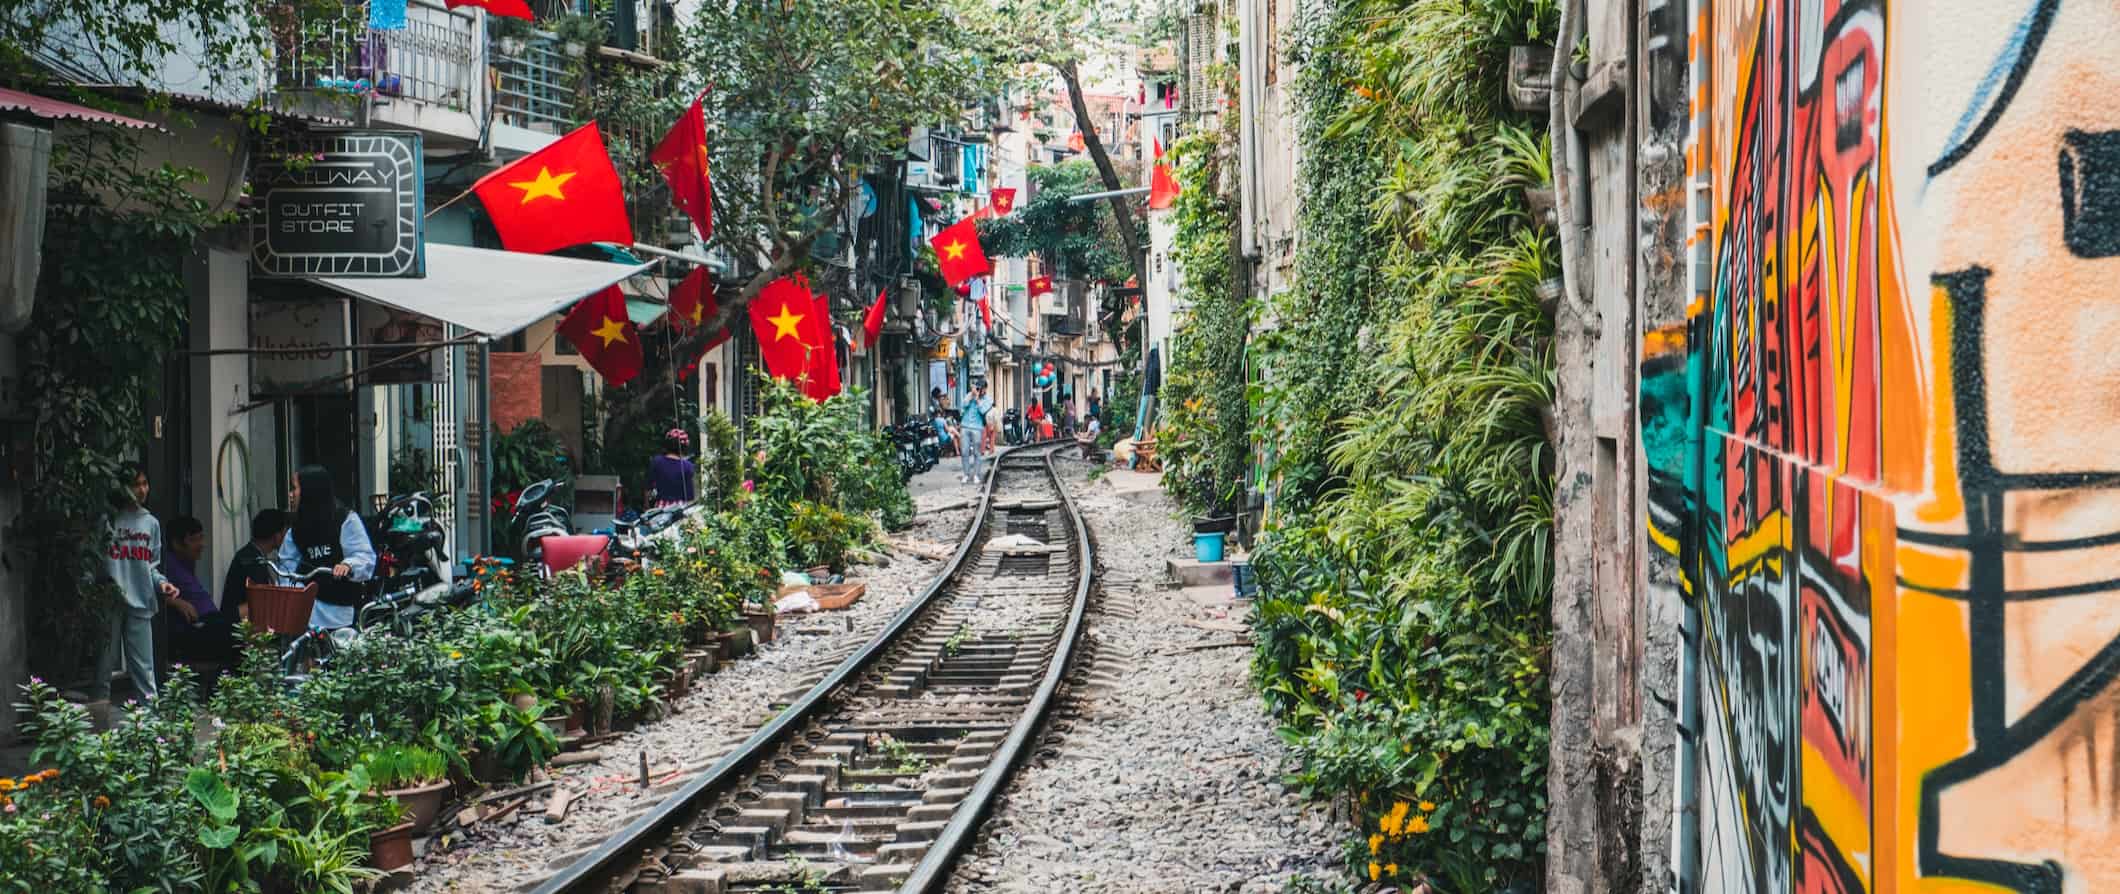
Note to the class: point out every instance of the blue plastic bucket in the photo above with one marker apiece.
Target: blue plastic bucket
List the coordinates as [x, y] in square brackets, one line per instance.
[1208, 547]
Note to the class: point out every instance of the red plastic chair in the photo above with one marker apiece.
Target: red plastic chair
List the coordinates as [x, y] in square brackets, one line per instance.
[564, 552]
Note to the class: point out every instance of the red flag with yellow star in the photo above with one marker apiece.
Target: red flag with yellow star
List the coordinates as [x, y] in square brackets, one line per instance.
[508, 9]
[1162, 186]
[820, 374]
[1002, 200]
[958, 253]
[792, 332]
[599, 328]
[872, 322]
[562, 195]
[1041, 285]
[682, 158]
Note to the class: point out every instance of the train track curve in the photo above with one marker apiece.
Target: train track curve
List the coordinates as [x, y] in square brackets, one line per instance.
[878, 777]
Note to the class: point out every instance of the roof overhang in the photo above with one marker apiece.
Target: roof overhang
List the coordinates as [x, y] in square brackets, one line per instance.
[52, 109]
[493, 293]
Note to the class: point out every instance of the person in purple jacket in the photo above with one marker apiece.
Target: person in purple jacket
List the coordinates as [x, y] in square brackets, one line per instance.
[671, 477]
[199, 629]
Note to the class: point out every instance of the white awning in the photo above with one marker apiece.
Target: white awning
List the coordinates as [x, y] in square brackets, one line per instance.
[493, 293]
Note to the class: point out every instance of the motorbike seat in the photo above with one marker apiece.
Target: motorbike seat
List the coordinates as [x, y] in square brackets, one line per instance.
[565, 551]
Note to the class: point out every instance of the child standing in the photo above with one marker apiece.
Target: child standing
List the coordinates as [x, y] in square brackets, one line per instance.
[135, 554]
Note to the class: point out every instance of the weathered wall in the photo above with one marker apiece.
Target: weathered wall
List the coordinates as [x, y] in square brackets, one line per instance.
[1880, 455]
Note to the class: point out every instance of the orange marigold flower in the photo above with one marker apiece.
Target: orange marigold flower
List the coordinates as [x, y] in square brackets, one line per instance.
[1427, 806]
[100, 802]
[1374, 871]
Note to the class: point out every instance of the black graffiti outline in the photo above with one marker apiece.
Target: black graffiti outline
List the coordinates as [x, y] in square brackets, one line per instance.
[2042, 19]
[1996, 741]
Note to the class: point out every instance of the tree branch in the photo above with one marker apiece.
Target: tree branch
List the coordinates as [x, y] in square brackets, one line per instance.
[1122, 210]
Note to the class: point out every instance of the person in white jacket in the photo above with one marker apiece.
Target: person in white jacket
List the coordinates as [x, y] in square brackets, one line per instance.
[134, 564]
[327, 535]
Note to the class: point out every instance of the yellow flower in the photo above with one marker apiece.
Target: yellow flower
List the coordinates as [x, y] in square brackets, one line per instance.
[1394, 822]
[6, 784]
[456, 653]
[1375, 841]
[1427, 806]
[1391, 869]
[1374, 871]
[1417, 825]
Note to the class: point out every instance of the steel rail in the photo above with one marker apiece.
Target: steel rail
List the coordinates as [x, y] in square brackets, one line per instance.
[959, 835]
[615, 855]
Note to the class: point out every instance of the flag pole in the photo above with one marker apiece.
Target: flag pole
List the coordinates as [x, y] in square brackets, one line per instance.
[452, 200]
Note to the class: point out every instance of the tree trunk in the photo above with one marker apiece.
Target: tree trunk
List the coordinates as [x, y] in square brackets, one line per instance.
[1122, 208]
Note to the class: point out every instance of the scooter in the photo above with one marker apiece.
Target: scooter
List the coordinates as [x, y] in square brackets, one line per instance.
[535, 519]
[1012, 427]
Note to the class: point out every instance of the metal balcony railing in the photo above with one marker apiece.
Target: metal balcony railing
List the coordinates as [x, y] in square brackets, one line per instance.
[435, 59]
[537, 82]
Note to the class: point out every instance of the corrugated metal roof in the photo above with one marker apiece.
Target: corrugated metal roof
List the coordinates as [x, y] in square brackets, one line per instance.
[46, 107]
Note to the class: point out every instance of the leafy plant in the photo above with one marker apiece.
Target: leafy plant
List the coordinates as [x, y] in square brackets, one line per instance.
[517, 736]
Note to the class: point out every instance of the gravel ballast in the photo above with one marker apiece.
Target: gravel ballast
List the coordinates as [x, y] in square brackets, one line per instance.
[719, 712]
[1166, 778]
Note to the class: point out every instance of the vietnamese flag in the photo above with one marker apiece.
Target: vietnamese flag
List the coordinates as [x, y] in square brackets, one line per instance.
[958, 253]
[562, 195]
[872, 322]
[682, 159]
[820, 374]
[1041, 285]
[1162, 187]
[692, 302]
[599, 328]
[792, 331]
[507, 9]
[1002, 200]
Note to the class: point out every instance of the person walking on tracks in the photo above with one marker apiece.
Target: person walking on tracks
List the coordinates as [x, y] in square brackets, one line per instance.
[972, 420]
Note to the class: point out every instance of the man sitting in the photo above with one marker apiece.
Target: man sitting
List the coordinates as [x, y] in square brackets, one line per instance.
[199, 630]
[1087, 437]
[253, 563]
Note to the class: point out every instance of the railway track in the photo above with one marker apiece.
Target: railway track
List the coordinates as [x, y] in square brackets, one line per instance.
[877, 777]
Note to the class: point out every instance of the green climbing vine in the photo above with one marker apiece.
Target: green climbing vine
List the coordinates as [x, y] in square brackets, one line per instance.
[1404, 568]
[89, 414]
[1206, 448]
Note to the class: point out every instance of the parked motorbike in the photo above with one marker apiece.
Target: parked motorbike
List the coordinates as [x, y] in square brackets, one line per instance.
[535, 518]
[1012, 427]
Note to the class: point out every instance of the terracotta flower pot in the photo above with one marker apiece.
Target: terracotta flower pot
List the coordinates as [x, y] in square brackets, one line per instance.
[761, 624]
[422, 803]
[703, 662]
[391, 849]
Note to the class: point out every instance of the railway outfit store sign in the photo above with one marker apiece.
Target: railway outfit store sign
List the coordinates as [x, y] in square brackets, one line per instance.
[343, 204]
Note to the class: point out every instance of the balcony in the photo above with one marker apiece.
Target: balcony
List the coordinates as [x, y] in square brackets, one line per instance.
[426, 77]
[538, 76]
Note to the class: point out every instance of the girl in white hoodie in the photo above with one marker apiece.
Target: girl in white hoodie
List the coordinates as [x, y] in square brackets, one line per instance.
[134, 565]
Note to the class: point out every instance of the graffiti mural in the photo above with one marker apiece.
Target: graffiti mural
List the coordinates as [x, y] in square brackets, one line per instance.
[1886, 448]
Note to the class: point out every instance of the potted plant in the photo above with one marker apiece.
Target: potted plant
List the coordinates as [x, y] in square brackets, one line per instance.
[414, 777]
[516, 738]
[760, 619]
[390, 846]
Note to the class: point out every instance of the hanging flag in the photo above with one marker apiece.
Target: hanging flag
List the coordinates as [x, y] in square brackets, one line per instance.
[599, 328]
[1041, 285]
[1162, 187]
[986, 312]
[1002, 200]
[507, 9]
[958, 253]
[562, 195]
[820, 374]
[1075, 142]
[792, 333]
[872, 322]
[682, 159]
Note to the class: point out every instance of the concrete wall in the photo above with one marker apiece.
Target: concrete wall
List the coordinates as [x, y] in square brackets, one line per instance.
[1890, 435]
[220, 319]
